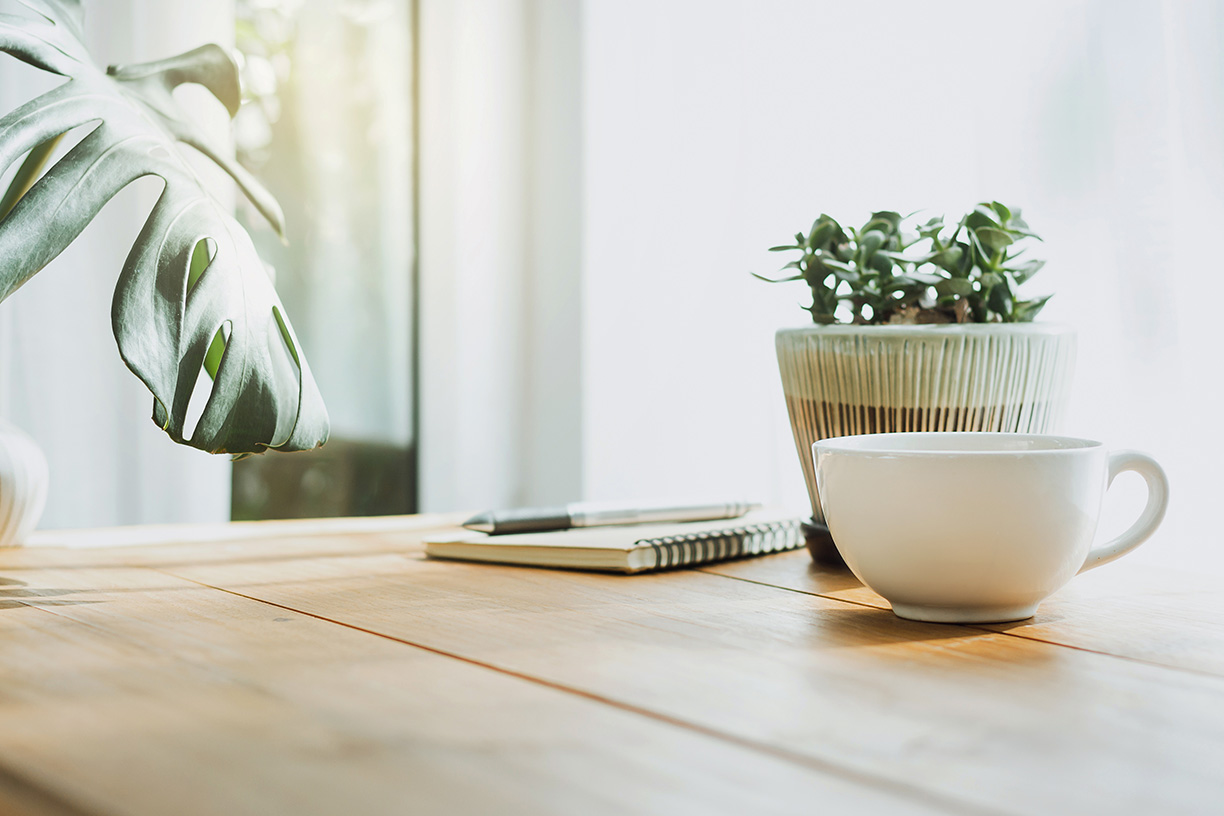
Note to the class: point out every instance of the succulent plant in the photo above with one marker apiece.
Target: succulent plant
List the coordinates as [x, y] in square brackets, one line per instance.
[883, 272]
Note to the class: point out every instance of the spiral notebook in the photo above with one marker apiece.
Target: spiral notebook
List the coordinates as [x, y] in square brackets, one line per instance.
[627, 548]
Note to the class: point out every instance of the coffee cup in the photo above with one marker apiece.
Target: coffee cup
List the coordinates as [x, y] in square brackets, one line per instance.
[975, 527]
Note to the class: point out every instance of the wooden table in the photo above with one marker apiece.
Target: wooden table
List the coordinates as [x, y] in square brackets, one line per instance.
[329, 668]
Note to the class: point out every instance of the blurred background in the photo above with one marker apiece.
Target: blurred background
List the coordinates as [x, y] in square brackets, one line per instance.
[521, 231]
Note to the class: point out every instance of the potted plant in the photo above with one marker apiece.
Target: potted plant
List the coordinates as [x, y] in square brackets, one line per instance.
[193, 294]
[918, 327]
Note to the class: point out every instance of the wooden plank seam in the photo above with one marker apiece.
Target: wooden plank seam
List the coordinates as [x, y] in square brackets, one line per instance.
[918, 794]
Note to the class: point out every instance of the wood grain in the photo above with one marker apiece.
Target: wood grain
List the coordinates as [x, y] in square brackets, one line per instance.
[1127, 609]
[985, 719]
[20, 797]
[172, 543]
[315, 669]
[128, 691]
[247, 532]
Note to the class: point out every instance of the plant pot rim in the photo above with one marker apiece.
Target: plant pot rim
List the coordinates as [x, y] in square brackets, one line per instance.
[931, 329]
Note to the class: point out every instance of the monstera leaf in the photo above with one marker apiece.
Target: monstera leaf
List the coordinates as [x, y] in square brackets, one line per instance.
[193, 281]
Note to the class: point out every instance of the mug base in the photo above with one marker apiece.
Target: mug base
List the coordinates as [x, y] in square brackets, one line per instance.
[964, 614]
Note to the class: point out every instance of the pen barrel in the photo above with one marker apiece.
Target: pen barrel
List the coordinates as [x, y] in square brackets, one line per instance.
[595, 516]
[532, 520]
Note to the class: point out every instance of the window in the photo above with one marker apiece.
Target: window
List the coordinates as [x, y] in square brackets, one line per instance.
[328, 127]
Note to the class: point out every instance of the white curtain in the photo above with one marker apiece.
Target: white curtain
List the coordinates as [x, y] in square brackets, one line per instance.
[61, 378]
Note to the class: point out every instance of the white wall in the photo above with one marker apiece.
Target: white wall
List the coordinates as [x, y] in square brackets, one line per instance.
[716, 129]
[61, 378]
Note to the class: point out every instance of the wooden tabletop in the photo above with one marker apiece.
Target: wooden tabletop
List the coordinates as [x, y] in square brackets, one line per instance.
[330, 668]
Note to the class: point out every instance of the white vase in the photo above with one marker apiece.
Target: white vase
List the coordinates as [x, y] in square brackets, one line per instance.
[23, 485]
[847, 380]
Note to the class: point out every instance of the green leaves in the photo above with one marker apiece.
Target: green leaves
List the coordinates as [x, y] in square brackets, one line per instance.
[879, 273]
[1025, 271]
[957, 287]
[871, 241]
[1026, 310]
[999, 298]
[993, 239]
[193, 293]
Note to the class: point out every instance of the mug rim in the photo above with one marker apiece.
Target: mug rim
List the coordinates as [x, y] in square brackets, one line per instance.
[876, 444]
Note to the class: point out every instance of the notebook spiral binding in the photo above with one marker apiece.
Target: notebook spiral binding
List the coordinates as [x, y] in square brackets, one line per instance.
[701, 548]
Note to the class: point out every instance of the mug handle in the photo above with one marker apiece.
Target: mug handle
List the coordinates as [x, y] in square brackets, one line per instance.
[1148, 521]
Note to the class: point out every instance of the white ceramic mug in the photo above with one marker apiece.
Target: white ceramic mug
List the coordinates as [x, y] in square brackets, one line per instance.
[974, 527]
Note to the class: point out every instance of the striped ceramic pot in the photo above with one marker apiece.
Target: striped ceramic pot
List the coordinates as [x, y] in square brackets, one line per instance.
[843, 380]
[23, 485]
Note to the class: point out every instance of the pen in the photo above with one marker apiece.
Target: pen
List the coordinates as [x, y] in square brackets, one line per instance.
[583, 514]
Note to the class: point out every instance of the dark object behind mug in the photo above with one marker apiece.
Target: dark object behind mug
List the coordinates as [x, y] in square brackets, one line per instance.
[820, 543]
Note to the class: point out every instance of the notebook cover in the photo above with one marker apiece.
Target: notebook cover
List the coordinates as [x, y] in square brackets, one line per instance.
[627, 548]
